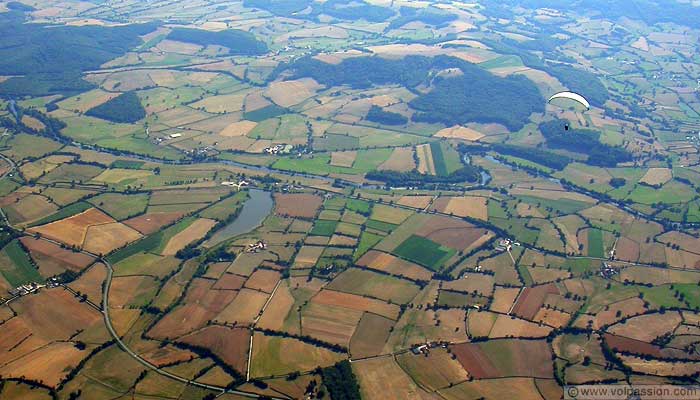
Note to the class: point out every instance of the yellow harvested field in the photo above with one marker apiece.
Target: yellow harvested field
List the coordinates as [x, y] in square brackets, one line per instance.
[420, 202]
[460, 132]
[425, 159]
[505, 326]
[472, 206]
[117, 175]
[401, 159]
[195, 231]
[343, 158]
[382, 378]
[33, 123]
[388, 263]
[255, 101]
[641, 44]
[48, 365]
[330, 31]
[657, 176]
[103, 239]
[290, 93]
[244, 309]
[240, 128]
[72, 230]
[308, 256]
[503, 299]
[337, 58]
[226, 103]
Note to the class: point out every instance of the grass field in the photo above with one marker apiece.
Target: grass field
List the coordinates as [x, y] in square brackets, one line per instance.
[424, 252]
[65, 212]
[324, 228]
[367, 241]
[595, 243]
[19, 270]
[121, 206]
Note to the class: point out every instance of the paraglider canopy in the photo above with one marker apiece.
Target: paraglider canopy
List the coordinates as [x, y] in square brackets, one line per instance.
[571, 96]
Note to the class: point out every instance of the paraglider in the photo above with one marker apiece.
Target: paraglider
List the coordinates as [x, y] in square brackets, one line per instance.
[571, 96]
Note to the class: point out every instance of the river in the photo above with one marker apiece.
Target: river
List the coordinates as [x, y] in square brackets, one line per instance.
[252, 215]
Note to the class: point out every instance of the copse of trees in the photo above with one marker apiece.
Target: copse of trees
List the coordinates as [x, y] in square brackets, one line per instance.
[380, 116]
[237, 41]
[583, 141]
[125, 108]
[429, 16]
[467, 173]
[543, 157]
[341, 382]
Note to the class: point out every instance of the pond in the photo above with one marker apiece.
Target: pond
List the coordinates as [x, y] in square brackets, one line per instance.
[252, 215]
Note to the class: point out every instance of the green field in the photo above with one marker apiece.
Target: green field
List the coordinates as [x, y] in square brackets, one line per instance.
[445, 158]
[324, 228]
[424, 252]
[121, 206]
[367, 241]
[595, 243]
[65, 212]
[380, 226]
[20, 269]
[359, 206]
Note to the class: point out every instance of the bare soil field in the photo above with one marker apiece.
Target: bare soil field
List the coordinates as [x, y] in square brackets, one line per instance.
[531, 299]
[370, 336]
[308, 256]
[52, 259]
[230, 345]
[297, 205]
[263, 280]
[396, 266]
[149, 223]
[102, 239]
[329, 323]
[657, 176]
[503, 358]
[72, 230]
[192, 233]
[355, 302]
[229, 281]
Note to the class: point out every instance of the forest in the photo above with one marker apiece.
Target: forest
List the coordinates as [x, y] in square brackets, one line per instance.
[475, 96]
[238, 42]
[51, 58]
[341, 9]
[583, 141]
[125, 108]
